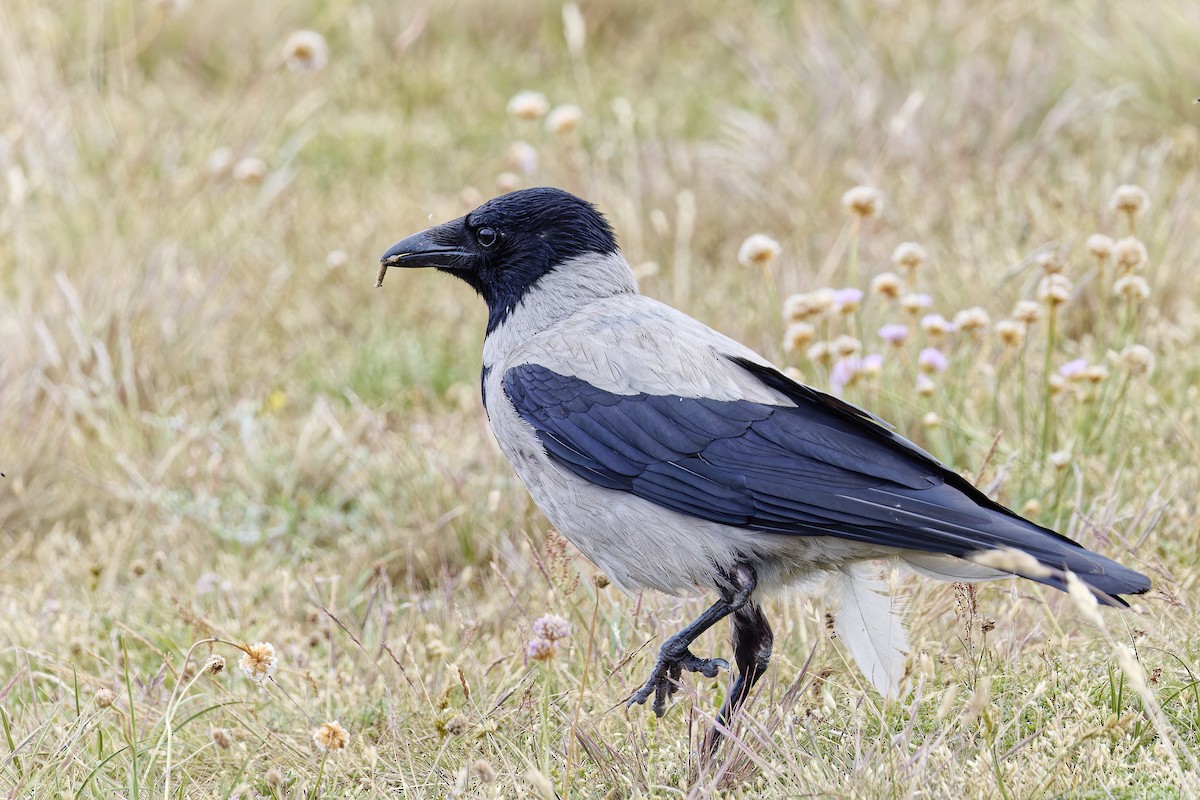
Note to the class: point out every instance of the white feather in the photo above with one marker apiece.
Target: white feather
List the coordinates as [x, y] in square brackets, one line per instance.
[870, 624]
[948, 568]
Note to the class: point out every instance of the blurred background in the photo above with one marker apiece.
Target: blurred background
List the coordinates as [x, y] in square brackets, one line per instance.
[212, 424]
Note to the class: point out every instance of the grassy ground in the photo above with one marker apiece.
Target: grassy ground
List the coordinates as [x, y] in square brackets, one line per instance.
[215, 432]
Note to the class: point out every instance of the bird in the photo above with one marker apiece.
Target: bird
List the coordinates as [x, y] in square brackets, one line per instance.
[678, 460]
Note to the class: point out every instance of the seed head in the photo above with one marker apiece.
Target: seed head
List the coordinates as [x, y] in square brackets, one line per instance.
[935, 325]
[798, 336]
[1132, 287]
[864, 202]
[104, 698]
[1100, 246]
[215, 665]
[541, 649]
[331, 736]
[274, 777]
[1054, 289]
[844, 346]
[915, 301]
[847, 301]
[972, 320]
[1095, 373]
[895, 335]
[250, 170]
[221, 738]
[758, 250]
[1137, 359]
[306, 51]
[1059, 459]
[910, 256]
[259, 662]
[1009, 559]
[887, 284]
[457, 725]
[819, 353]
[1027, 311]
[220, 161]
[564, 119]
[1011, 332]
[1031, 508]
[522, 157]
[802, 306]
[1084, 600]
[1129, 199]
[932, 360]
[1056, 384]
[552, 627]
[528, 105]
[336, 259]
[1130, 254]
[1049, 262]
[484, 770]
[925, 385]
[931, 420]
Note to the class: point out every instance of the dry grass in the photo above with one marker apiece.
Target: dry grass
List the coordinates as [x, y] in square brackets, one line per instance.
[214, 428]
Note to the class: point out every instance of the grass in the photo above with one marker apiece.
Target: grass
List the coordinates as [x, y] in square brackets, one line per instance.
[217, 432]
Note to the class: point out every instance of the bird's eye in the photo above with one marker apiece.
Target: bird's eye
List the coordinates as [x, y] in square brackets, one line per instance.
[486, 236]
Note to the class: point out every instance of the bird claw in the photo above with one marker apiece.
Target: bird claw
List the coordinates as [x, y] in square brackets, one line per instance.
[664, 678]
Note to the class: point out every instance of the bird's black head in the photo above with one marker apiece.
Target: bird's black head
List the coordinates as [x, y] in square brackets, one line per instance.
[509, 243]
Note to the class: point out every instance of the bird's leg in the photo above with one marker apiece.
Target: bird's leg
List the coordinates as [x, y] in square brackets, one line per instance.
[752, 641]
[674, 656]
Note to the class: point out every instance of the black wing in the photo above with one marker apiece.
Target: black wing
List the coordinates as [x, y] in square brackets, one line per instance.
[819, 468]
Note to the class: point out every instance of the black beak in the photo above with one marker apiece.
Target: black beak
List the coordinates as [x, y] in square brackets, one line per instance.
[440, 247]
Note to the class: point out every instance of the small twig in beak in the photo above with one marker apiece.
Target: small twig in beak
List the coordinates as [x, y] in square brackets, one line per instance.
[382, 271]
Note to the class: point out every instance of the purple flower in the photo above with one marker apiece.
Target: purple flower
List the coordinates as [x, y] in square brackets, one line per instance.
[845, 300]
[1076, 367]
[843, 372]
[932, 360]
[894, 334]
[871, 365]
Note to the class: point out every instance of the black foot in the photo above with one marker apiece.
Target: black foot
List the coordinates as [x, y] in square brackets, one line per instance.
[664, 679]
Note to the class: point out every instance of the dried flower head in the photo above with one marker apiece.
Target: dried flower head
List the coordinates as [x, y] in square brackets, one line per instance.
[847, 301]
[528, 105]
[844, 346]
[1095, 373]
[1049, 262]
[104, 698]
[798, 336]
[221, 738]
[336, 259]
[931, 420]
[887, 284]
[809, 304]
[1137, 359]
[915, 301]
[936, 325]
[1031, 508]
[972, 320]
[872, 365]
[819, 353]
[758, 250]
[1100, 246]
[1132, 287]
[910, 256]
[220, 161]
[484, 770]
[1059, 459]
[1027, 311]
[250, 170]
[1056, 384]
[541, 649]
[932, 360]
[1054, 289]
[522, 156]
[864, 202]
[274, 777]
[552, 627]
[457, 725]
[925, 385]
[258, 661]
[331, 736]
[306, 51]
[893, 334]
[564, 119]
[215, 665]
[1010, 332]
[508, 182]
[1130, 253]
[1129, 199]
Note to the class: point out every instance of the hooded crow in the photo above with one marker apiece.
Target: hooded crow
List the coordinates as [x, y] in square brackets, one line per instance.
[676, 459]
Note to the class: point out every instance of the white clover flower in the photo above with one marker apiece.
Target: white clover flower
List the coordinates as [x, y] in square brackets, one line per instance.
[528, 105]
[564, 119]
[259, 661]
[758, 250]
[306, 51]
[864, 202]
